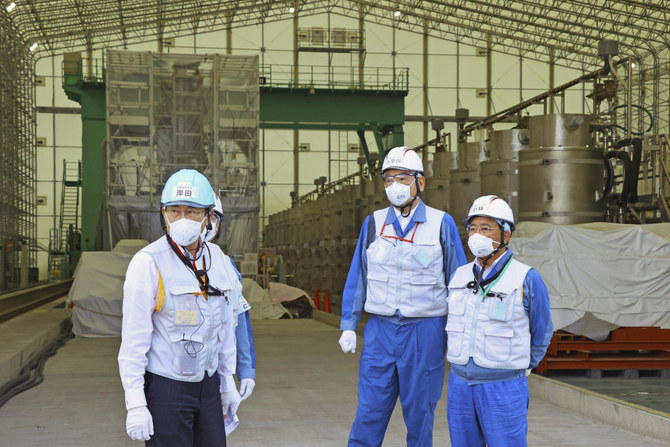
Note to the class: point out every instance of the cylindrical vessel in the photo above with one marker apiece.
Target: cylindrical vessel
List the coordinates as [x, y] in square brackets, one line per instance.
[561, 176]
[471, 154]
[443, 162]
[561, 186]
[560, 131]
[464, 188]
[506, 144]
[436, 194]
[501, 178]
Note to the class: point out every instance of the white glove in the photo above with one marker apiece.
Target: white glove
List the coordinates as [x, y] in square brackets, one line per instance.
[230, 401]
[348, 341]
[246, 388]
[528, 371]
[139, 424]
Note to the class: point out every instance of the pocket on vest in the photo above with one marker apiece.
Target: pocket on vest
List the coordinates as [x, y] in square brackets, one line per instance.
[423, 287]
[377, 287]
[456, 301]
[498, 343]
[185, 352]
[454, 338]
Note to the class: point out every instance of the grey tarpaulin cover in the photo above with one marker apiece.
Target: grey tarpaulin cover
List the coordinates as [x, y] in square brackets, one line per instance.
[600, 276]
[97, 290]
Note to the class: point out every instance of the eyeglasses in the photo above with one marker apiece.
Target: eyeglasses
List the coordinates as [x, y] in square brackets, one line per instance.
[483, 229]
[403, 179]
[193, 213]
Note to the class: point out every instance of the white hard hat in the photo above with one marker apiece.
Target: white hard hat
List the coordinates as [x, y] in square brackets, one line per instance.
[404, 158]
[493, 207]
[218, 208]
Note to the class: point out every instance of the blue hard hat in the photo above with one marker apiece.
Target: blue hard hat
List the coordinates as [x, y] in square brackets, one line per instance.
[188, 187]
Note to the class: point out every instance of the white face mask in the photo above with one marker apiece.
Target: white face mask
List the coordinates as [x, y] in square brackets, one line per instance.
[398, 193]
[480, 245]
[185, 231]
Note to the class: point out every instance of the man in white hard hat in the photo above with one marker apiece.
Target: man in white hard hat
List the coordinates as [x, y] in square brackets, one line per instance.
[405, 255]
[499, 328]
[244, 341]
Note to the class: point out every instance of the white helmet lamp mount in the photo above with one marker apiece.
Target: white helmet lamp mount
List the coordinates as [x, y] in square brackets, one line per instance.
[403, 158]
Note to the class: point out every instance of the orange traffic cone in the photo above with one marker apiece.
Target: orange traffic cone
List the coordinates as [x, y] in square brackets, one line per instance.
[326, 301]
[316, 299]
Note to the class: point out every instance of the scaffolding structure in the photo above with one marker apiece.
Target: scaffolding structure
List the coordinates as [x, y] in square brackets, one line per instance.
[168, 112]
[562, 33]
[17, 161]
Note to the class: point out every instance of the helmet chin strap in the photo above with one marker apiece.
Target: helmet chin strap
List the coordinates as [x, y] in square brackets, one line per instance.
[409, 204]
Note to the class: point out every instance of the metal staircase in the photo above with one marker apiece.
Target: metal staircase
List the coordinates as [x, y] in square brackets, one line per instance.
[63, 240]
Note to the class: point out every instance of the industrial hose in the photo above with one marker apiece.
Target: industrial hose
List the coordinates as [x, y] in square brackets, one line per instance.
[627, 177]
[33, 373]
[651, 119]
[637, 159]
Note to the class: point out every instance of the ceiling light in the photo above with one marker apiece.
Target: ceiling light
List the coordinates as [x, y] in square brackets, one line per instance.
[397, 13]
[33, 47]
[291, 9]
[11, 6]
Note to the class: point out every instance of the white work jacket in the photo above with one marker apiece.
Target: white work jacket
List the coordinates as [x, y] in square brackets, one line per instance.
[407, 274]
[494, 331]
[170, 328]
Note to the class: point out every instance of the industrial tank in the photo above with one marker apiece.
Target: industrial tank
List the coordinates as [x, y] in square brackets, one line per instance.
[561, 175]
[465, 182]
[499, 174]
[464, 188]
[436, 193]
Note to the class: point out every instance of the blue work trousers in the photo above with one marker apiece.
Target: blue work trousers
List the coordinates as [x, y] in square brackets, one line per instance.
[405, 360]
[185, 414]
[493, 414]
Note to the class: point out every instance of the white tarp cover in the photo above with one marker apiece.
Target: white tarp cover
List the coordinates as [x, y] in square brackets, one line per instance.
[600, 276]
[281, 292]
[97, 290]
[262, 307]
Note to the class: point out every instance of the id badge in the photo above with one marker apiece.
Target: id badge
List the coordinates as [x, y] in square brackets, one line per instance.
[187, 317]
[500, 309]
[186, 364]
[422, 257]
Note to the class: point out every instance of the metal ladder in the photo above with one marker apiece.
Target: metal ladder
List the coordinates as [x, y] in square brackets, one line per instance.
[69, 219]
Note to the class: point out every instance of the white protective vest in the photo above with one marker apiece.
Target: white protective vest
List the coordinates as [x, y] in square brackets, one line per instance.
[407, 276]
[495, 332]
[193, 325]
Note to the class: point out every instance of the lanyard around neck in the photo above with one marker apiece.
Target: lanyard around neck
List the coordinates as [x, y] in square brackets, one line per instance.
[416, 225]
[493, 281]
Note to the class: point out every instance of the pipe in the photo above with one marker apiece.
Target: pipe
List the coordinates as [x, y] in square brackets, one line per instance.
[542, 96]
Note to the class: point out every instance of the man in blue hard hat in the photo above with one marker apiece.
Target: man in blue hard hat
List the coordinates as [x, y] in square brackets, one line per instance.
[178, 334]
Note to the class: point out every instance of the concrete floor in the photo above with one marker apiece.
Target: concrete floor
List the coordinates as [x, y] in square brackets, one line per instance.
[305, 396]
